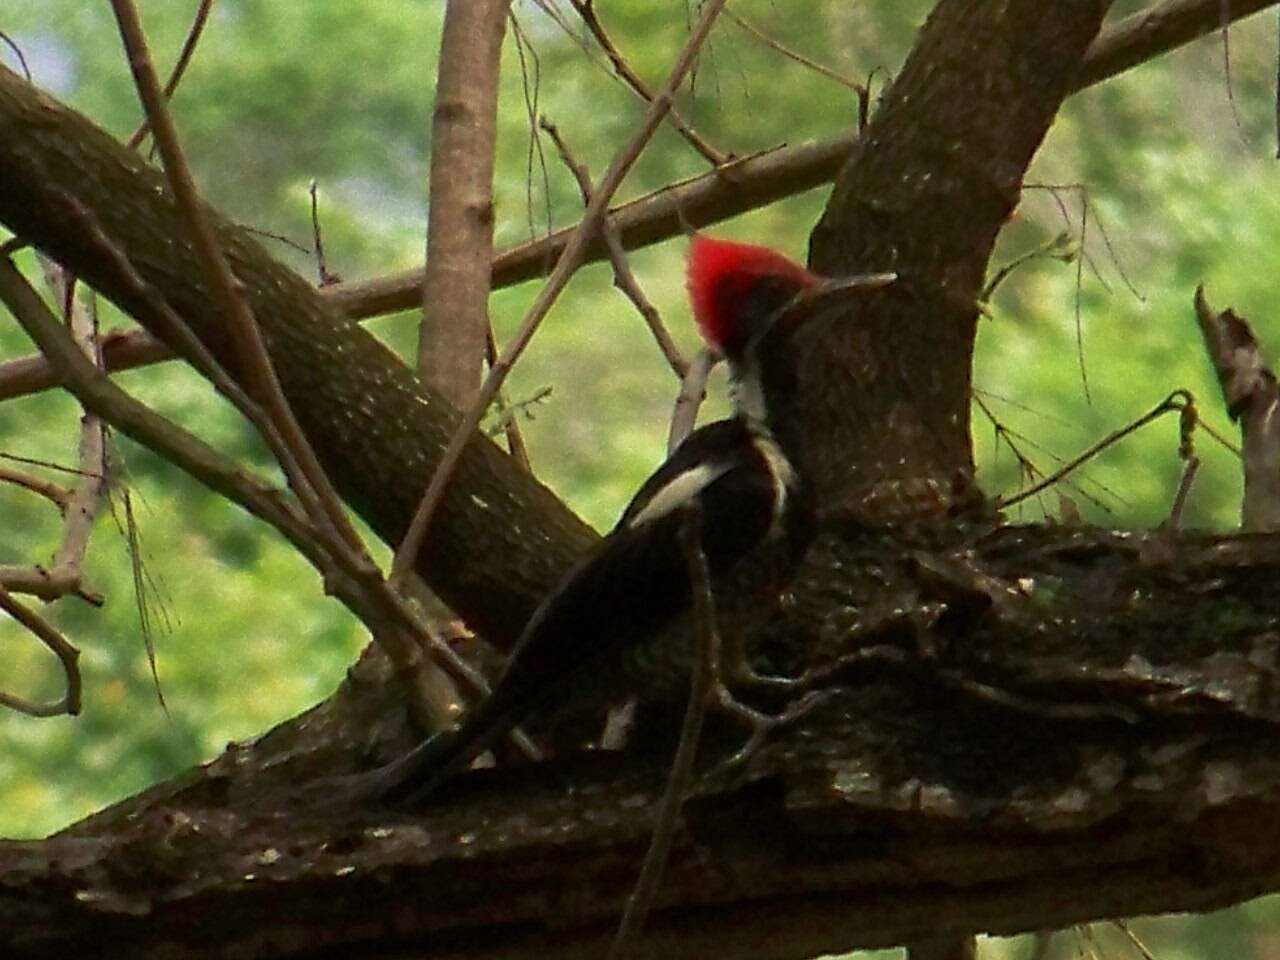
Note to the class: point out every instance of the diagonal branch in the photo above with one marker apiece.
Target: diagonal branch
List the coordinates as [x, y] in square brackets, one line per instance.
[305, 473]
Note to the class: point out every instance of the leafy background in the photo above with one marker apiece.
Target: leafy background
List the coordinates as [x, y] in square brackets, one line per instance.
[1177, 165]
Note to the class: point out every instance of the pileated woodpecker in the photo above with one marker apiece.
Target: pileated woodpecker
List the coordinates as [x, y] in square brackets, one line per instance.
[746, 300]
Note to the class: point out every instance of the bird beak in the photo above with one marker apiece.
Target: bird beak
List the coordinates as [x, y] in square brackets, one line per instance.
[831, 292]
[833, 289]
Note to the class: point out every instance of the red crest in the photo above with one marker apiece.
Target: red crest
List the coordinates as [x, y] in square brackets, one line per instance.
[721, 272]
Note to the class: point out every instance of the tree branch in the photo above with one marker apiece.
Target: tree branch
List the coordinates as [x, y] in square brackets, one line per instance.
[464, 131]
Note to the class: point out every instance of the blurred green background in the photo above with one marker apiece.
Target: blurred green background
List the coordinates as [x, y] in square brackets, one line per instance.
[1178, 169]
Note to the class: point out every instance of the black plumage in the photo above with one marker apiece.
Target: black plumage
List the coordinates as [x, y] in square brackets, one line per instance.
[634, 587]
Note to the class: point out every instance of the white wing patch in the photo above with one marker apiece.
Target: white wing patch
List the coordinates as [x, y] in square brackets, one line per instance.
[680, 490]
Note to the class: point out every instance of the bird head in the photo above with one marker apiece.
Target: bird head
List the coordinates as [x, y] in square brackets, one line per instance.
[740, 291]
[743, 295]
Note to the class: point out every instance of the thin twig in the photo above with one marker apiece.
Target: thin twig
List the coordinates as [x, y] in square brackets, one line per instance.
[327, 279]
[1175, 401]
[693, 390]
[701, 692]
[17, 52]
[568, 262]
[762, 37]
[55, 494]
[623, 277]
[94, 479]
[388, 616]
[510, 425]
[227, 288]
[1028, 469]
[179, 67]
[527, 55]
[1123, 927]
[587, 11]
[67, 655]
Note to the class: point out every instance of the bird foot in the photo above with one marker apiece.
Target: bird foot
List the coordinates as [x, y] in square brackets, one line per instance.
[743, 677]
[760, 724]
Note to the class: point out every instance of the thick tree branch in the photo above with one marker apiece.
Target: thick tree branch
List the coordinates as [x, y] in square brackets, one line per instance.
[910, 805]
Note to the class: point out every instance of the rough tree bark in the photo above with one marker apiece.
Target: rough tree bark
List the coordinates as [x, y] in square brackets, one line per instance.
[1038, 726]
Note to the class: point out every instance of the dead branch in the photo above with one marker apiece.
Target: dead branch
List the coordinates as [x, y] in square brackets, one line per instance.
[1253, 399]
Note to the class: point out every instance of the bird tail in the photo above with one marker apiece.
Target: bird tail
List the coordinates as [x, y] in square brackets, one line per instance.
[420, 772]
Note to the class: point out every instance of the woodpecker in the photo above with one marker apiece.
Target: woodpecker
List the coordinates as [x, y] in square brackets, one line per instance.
[746, 300]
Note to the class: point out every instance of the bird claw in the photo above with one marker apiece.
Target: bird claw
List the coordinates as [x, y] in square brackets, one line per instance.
[743, 676]
[760, 723]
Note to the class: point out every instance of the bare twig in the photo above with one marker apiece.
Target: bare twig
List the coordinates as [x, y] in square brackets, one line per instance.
[67, 655]
[1060, 248]
[327, 279]
[569, 261]
[309, 479]
[94, 480]
[587, 11]
[1123, 927]
[761, 37]
[531, 87]
[55, 494]
[179, 66]
[701, 693]
[510, 425]
[17, 52]
[623, 278]
[464, 129]
[1175, 401]
[693, 389]
[1027, 467]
